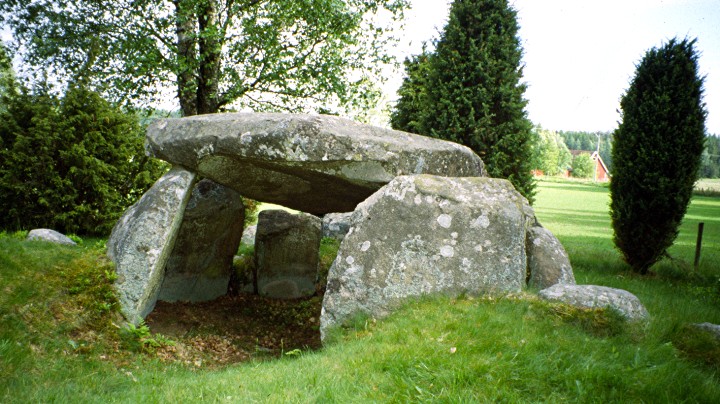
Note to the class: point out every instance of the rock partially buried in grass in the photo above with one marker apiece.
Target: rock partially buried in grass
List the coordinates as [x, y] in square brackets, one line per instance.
[709, 328]
[595, 297]
[50, 236]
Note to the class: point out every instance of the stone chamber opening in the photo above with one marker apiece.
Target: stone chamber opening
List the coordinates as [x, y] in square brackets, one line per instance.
[243, 325]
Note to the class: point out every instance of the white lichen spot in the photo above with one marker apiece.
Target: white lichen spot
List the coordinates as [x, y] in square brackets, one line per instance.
[479, 248]
[418, 199]
[365, 246]
[429, 199]
[447, 251]
[350, 260]
[206, 150]
[482, 221]
[444, 220]
[488, 243]
[454, 234]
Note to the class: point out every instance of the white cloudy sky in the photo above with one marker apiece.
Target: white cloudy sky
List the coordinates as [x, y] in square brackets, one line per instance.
[580, 55]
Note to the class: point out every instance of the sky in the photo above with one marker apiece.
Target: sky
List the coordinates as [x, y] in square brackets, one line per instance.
[580, 55]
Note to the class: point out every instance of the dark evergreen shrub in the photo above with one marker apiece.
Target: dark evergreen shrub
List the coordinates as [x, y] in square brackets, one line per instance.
[72, 164]
[413, 102]
[656, 152]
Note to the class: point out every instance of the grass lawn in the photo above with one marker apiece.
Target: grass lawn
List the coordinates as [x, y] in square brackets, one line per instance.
[58, 341]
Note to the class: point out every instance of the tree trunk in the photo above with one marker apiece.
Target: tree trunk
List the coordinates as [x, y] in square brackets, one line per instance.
[186, 56]
[210, 46]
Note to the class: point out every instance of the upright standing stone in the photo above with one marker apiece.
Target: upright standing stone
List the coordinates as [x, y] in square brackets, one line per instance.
[141, 242]
[287, 253]
[200, 265]
[424, 234]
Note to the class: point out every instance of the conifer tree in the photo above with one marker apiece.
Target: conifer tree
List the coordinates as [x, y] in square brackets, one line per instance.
[72, 164]
[413, 102]
[657, 152]
[473, 94]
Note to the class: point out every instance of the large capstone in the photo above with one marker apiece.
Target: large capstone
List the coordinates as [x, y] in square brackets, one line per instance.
[287, 247]
[425, 234]
[200, 265]
[141, 242]
[313, 163]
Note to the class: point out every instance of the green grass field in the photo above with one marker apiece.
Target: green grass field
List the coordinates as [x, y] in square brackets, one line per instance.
[58, 341]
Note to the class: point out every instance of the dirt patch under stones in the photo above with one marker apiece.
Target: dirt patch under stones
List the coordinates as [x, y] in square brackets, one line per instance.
[233, 329]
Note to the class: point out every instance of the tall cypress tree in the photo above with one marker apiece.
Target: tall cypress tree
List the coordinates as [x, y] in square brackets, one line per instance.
[657, 152]
[473, 94]
[413, 102]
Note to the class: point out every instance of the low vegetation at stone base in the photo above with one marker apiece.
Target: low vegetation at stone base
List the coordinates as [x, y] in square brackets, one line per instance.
[513, 348]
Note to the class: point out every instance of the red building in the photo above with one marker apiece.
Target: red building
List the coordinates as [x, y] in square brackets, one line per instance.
[602, 174]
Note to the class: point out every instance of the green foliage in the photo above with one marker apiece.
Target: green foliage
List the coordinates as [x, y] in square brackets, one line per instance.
[605, 322]
[710, 165]
[72, 164]
[328, 252]
[252, 208]
[583, 166]
[470, 91]
[657, 152]
[7, 75]
[553, 156]
[138, 338]
[412, 105]
[214, 54]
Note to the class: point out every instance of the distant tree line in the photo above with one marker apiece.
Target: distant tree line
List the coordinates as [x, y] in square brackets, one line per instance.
[552, 159]
[710, 163]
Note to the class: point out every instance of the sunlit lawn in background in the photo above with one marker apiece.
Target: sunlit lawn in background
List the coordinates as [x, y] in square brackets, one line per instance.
[578, 214]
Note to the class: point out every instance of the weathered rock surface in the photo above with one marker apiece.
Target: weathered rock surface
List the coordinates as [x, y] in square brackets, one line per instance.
[426, 234]
[200, 265]
[141, 242]
[592, 296]
[548, 263]
[287, 253]
[50, 236]
[710, 328]
[315, 164]
[336, 225]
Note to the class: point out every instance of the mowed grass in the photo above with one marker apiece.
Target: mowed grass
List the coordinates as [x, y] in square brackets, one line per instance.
[508, 349]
